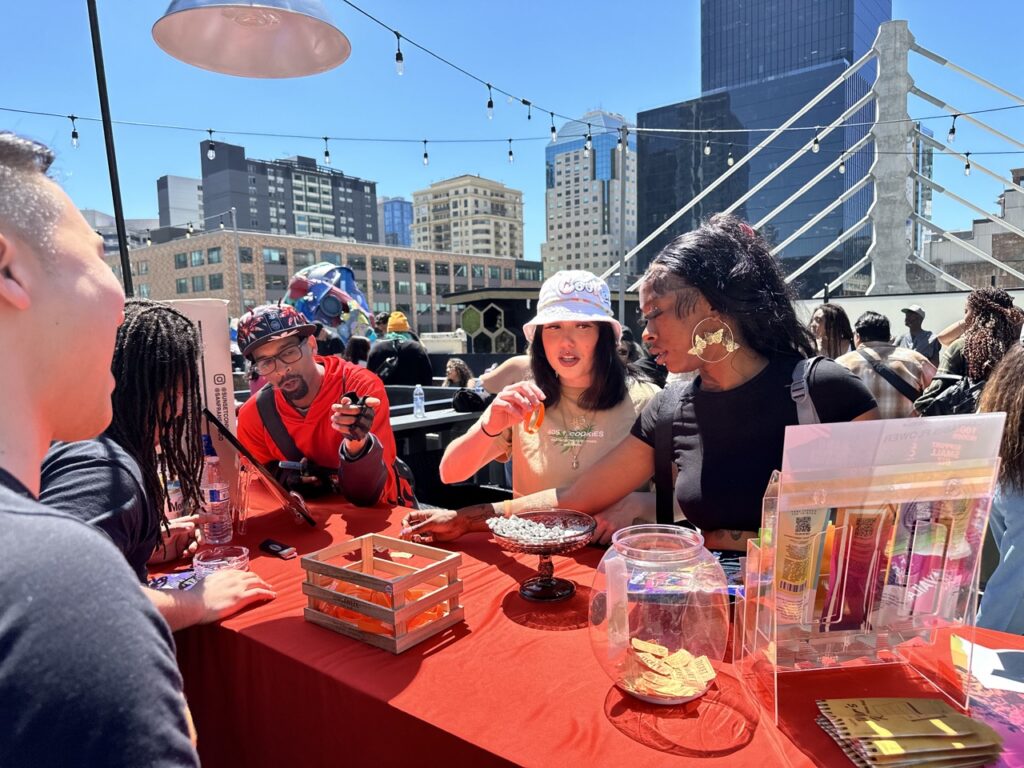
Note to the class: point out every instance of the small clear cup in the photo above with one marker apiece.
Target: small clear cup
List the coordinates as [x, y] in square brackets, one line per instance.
[208, 561]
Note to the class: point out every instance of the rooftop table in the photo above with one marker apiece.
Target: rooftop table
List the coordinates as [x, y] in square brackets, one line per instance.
[442, 418]
[517, 684]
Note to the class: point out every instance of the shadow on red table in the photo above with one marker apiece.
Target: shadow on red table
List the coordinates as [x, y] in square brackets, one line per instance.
[549, 617]
[718, 724]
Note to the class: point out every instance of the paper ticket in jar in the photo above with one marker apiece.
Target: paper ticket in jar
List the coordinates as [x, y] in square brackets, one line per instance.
[701, 669]
[647, 647]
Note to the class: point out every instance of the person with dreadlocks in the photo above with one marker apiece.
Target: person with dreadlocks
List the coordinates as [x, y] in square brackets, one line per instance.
[117, 481]
[991, 325]
[830, 327]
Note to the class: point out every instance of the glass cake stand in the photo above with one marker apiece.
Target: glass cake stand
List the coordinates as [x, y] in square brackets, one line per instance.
[544, 587]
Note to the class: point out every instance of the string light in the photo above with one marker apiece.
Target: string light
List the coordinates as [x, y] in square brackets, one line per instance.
[815, 145]
[618, 143]
[730, 160]
[190, 230]
[967, 165]
[149, 238]
[707, 145]
[842, 165]
[490, 103]
[74, 131]
[222, 222]
[554, 131]
[587, 144]
[399, 58]
[511, 157]
[327, 153]
[951, 136]
[529, 109]
[211, 149]
[426, 157]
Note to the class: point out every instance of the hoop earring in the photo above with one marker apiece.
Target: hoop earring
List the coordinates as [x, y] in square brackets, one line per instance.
[713, 340]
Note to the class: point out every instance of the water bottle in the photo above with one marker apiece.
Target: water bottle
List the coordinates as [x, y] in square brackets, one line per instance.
[216, 503]
[175, 500]
[479, 388]
[419, 403]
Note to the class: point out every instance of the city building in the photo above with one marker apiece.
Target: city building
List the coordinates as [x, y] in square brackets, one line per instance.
[295, 196]
[412, 281]
[180, 201]
[104, 225]
[394, 221]
[761, 61]
[582, 197]
[989, 238]
[470, 215]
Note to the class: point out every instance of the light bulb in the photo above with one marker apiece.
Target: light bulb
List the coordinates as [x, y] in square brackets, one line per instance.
[490, 106]
[952, 131]
[211, 151]
[327, 153]
[426, 157]
[967, 165]
[399, 58]
[842, 166]
[815, 145]
[190, 228]
[730, 160]
[74, 131]
[554, 134]
[707, 147]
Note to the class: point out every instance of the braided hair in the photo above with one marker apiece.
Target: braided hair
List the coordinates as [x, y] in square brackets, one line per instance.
[731, 265]
[837, 335]
[993, 324]
[155, 363]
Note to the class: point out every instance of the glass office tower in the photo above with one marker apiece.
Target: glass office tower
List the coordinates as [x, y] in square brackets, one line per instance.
[761, 61]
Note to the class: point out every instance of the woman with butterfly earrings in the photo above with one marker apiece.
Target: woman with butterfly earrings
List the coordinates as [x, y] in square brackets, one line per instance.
[578, 401]
[716, 303]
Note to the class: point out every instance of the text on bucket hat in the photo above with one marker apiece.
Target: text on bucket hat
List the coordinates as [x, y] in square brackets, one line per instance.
[573, 296]
[269, 322]
[398, 323]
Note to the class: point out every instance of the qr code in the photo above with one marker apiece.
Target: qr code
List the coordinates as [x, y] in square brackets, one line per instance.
[803, 525]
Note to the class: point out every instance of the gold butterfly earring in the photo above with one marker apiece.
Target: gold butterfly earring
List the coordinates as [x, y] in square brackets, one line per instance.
[713, 332]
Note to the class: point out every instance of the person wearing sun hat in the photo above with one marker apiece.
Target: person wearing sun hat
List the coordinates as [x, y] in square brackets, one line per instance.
[589, 398]
[312, 397]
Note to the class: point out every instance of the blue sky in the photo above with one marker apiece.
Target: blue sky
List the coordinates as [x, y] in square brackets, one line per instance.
[565, 56]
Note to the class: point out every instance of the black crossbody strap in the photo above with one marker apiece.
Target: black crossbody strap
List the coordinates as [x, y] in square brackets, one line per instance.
[275, 427]
[668, 414]
[904, 388]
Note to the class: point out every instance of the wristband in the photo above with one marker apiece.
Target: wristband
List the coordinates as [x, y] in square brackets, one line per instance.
[486, 432]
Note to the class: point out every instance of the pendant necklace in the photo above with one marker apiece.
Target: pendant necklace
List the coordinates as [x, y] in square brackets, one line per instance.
[581, 424]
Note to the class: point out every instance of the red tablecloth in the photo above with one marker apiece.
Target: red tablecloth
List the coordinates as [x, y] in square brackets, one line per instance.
[516, 684]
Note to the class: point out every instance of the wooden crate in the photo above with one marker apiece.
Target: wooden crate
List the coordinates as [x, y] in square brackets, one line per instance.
[389, 605]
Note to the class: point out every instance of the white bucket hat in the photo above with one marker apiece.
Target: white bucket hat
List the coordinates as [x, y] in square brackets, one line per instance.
[573, 296]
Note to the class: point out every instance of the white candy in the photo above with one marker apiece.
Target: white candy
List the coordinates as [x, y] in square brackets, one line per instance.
[527, 531]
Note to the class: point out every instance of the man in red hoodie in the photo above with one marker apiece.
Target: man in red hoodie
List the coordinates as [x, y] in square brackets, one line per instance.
[313, 396]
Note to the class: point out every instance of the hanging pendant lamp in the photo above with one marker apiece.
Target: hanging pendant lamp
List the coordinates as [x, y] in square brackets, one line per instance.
[271, 38]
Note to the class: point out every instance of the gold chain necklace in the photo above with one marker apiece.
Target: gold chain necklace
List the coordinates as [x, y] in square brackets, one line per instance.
[584, 426]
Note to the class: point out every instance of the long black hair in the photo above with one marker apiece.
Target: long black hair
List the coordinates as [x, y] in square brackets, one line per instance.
[155, 361]
[732, 267]
[608, 374]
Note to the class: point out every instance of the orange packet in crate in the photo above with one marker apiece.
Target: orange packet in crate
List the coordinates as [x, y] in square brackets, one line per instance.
[373, 598]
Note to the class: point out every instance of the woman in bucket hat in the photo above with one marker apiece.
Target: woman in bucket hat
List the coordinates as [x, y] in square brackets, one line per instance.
[579, 402]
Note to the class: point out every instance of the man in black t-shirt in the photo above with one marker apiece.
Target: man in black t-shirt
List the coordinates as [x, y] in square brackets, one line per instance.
[87, 672]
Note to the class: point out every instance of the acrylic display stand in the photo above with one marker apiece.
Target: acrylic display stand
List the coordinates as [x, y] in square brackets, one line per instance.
[869, 551]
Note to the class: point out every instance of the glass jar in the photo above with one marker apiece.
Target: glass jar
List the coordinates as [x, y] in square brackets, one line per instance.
[660, 600]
